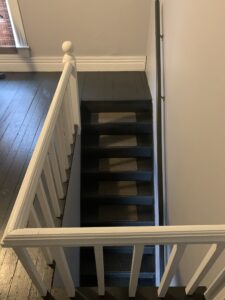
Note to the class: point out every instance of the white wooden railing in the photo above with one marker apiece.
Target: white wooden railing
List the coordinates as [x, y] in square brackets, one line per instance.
[43, 183]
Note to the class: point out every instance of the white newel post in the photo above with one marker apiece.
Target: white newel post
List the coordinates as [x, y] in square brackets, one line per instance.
[69, 57]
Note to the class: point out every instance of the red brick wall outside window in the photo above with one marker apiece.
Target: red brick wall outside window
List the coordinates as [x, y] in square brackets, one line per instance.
[6, 34]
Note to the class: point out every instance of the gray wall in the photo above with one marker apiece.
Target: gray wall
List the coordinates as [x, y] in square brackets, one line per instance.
[194, 58]
[96, 27]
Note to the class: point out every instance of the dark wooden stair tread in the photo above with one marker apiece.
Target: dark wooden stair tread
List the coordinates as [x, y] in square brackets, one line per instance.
[117, 183]
[119, 140]
[117, 267]
[106, 216]
[137, 105]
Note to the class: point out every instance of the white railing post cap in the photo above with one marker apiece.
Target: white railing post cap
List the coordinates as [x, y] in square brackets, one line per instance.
[67, 48]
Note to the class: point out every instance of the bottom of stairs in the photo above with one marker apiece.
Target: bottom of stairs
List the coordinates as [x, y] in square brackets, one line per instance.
[143, 293]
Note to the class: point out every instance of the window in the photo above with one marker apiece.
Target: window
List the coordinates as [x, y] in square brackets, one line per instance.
[12, 34]
[6, 33]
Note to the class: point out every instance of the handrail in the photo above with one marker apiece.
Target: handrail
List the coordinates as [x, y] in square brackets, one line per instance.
[159, 137]
[159, 108]
[155, 235]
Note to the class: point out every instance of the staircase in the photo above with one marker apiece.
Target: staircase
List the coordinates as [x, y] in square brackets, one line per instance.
[117, 183]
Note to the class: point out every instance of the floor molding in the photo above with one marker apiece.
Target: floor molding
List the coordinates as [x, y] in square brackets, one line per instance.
[14, 63]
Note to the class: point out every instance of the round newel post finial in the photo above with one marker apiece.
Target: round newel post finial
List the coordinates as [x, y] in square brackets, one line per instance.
[67, 48]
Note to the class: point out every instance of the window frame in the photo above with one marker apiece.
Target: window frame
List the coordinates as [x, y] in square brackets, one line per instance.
[18, 28]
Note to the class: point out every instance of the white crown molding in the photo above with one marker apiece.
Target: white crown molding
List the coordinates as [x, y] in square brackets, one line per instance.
[16, 63]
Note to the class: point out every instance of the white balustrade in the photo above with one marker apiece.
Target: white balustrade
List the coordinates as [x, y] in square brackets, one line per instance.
[64, 270]
[45, 208]
[99, 260]
[35, 220]
[204, 267]
[173, 262]
[56, 172]
[69, 126]
[64, 135]
[61, 152]
[51, 187]
[135, 269]
[216, 286]
[50, 158]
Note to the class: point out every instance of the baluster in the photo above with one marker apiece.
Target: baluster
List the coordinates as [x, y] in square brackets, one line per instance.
[70, 108]
[75, 101]
[135, 269]
[174, 259]
[61, 154]
[99, 260]
[67, 117]
[62, 140]
[63, 134]
[45, 209]
[34, 219]
[216, 286]
[64, 270]
[56, 172]
[206, 264]
[31, 270]
[51, 187]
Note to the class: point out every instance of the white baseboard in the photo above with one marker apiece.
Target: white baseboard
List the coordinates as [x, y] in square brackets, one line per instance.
[14, 63]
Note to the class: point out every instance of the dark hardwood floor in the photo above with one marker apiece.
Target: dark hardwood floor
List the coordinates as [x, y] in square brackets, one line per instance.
[113, 86]
[24, 103]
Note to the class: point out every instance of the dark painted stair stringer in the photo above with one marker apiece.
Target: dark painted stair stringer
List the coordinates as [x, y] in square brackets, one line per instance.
[123, 195]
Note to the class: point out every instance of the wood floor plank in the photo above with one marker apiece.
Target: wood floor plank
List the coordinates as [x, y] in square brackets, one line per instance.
[15, 164]
[8, 91]
[17, 110]
[7, 272]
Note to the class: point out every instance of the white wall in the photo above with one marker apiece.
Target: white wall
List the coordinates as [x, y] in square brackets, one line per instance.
[194, 57]
[151, 51]
[97, 27]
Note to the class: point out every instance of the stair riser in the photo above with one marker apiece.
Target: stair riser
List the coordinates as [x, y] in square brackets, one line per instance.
[118, 106]
[128, 250]
[128, 176]
[119, 152]
[118, 223]
[113, 281]
[117, 129]
[148, 200]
